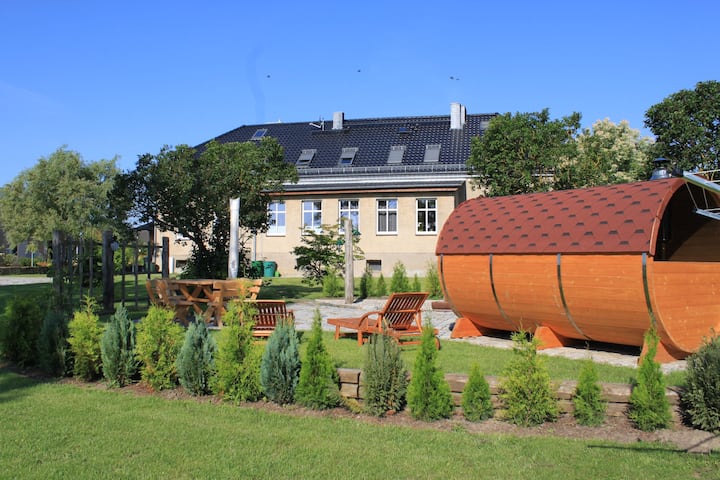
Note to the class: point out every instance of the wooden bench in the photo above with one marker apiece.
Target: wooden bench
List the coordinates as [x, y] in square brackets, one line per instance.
[268, 313]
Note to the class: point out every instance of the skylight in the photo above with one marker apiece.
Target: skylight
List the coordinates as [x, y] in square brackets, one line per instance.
[305, 157]
[347, 157]
[259, 133]
[432, 153]
[396, 154]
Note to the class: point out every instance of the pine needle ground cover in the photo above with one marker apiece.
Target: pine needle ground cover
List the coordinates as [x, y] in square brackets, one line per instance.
[56, 430]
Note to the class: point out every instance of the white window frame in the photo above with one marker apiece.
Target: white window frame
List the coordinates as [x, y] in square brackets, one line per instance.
[386, 208]
[351, 210]
[423, 212]
[277, 212]
[313, 208]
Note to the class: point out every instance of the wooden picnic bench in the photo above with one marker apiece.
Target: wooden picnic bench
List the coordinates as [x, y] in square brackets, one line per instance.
[268, 314]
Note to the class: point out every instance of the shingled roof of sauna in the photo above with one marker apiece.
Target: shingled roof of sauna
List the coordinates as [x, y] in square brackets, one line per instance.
[621, 218]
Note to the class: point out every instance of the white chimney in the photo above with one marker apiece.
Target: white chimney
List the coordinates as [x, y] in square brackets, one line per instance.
[338, 118]
[457, 116]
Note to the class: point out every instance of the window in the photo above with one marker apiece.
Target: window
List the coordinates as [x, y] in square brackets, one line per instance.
[306, 156]
[426, 209]
[349, 209]
[396, 154]
[387, 212]
[312, 215]
[277, 218]
[432, 153]
[347, 156]
[259, 133]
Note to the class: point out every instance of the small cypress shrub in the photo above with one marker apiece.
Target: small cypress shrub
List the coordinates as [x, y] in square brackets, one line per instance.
[399, 282]
[52, 344]
[416, 285]
[85, 333]
[649, 407]
[476, 397]
[589, 406]
[366, 286]
[158, 343]
[332, 284]
[380, 286]
[701, 392]
[526, 389]
[385, 377]
[318, 384]
[238, 359]
[117, 348]
[280, 366]
[429, 396]
[432, 281]
[20, 330]
[195, 362]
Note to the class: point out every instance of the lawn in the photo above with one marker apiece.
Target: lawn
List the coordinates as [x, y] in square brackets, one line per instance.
[56, 430]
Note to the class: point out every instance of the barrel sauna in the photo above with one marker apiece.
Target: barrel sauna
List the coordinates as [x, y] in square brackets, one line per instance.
[599, 264]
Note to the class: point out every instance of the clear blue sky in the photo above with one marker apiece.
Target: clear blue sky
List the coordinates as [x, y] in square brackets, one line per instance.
[125, 78]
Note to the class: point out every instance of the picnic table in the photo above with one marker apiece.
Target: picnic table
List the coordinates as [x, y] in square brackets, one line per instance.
[199, 291]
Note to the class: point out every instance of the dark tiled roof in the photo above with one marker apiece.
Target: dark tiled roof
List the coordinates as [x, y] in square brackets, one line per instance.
[612, 219]
[373, 137]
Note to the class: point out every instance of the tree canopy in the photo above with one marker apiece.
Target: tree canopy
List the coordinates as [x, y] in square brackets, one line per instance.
[686, 125]
[187, 191]
[61, 192]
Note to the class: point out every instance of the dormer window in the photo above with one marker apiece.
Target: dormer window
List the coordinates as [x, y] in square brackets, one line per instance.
[305, 157]
[432, 153]
[347, 156]
[259, 133]
[397, 152]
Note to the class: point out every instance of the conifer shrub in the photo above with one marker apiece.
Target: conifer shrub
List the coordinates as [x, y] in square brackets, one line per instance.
[429, 396]
[527, 394]
[238, 359]
[476, 397]
[385, 378]
[85, 332]
[20, 329]
[416, 285]
[196, 361]
[332, 284]
[366, 283]
[399, 282]
[432, 281]
[158, 342]
[380, 286]
[587, 399]
[117, 348]
[701, 392]
[649, 407]
[53, 344]
[280, 366]
[318, 384]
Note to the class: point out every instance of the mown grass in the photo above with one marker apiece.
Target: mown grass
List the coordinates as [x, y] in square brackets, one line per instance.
[54, 430]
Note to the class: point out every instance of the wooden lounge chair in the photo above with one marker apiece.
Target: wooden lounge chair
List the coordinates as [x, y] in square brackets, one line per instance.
[161, 295]
[401, 318]
[268, 313]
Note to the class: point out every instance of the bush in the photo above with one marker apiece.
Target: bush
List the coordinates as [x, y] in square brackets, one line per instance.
[20, 329]
[380, 286]
[476, 397]
[432, 281]
[416, 285]
[525, 389]
[159, 340]
[280, 367]
[399, 282]
[366, 286]
[587, 399]
[332, 284]
[85, 333]
[196, 363]
[385, 377]
[429, 396]
[53, 344]
[318, 384]
[237, 363]
[701, 392]
[117, 348]
[649, 407]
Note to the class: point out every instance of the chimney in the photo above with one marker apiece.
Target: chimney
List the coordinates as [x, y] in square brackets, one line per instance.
[338, 118]
[457, 116]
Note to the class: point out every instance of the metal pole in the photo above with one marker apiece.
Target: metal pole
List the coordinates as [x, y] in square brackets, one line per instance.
[234, 227]
[349, 275]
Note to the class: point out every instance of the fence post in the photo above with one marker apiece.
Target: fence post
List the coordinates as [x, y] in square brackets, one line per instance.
[165, 257]
[108, 270]
[57, 260]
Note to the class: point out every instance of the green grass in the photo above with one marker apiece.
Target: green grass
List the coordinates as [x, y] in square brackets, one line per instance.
[53, 430]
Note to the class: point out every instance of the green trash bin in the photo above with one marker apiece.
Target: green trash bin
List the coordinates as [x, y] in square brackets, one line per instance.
[256, 269]
[269, 269]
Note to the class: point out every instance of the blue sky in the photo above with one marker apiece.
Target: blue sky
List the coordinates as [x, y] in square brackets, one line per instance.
[125, 78]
